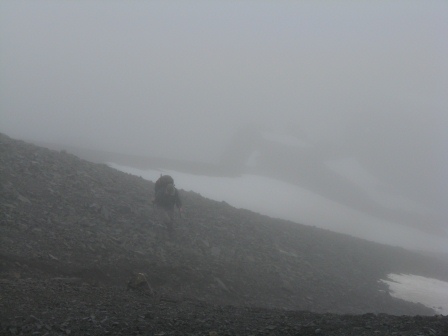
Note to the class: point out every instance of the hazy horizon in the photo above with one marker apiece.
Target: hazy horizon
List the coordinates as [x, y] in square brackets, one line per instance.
[332, 82]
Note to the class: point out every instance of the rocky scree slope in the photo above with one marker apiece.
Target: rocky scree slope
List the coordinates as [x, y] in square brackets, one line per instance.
[68, 226]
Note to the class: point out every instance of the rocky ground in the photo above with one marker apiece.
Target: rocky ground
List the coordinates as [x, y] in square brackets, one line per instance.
[74, 233]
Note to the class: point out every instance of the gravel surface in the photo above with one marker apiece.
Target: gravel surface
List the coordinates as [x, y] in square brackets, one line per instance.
[77, 238]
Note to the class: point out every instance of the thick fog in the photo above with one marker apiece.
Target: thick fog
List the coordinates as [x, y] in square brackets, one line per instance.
[346, 99]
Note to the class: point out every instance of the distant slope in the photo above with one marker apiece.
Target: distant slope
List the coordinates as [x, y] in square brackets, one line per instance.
[141, 162]
[309, 166]
[63, 216]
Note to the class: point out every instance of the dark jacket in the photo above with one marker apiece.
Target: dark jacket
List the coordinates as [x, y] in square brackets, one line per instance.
[166, 200]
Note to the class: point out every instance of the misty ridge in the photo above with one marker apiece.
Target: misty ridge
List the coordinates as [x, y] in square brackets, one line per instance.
[297, 161]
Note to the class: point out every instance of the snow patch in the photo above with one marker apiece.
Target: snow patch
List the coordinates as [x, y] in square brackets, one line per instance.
[430, 292]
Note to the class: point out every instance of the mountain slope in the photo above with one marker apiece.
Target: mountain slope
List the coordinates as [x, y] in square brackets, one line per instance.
[63, 217]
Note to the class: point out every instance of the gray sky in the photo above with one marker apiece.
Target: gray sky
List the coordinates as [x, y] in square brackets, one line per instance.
[178, 78]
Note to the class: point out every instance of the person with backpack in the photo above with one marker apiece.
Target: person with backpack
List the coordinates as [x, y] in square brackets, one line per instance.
[165, 198]
[162, 182]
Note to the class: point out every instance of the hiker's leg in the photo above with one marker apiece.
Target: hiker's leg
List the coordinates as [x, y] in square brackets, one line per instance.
[170, 221]
[162, 217]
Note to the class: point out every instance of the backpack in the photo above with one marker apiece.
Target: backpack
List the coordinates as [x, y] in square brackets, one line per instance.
[162, 182]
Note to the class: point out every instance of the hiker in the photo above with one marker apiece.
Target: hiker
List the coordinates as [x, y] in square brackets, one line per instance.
[162, 182]
[166, 197]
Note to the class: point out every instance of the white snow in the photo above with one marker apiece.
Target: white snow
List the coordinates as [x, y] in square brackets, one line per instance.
[432, 293]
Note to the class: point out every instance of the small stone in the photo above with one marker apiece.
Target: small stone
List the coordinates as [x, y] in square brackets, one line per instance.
[52, 256]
